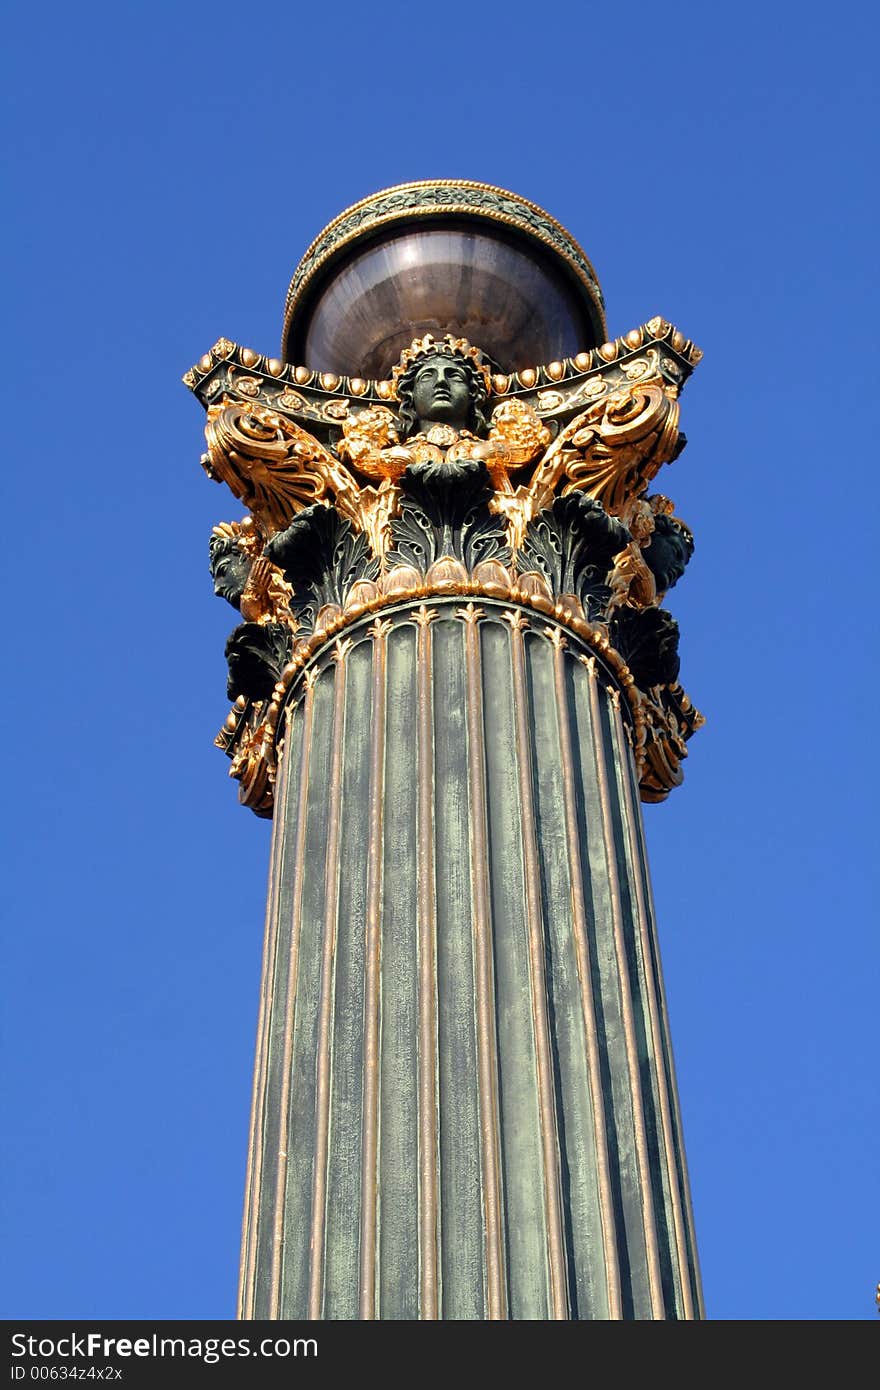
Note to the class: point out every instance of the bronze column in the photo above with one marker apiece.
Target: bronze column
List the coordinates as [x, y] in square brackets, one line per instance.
[453, 686]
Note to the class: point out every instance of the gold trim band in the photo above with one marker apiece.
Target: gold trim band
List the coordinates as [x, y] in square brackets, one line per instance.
[585, 973]
[630, 813]
[253, 1172]
[427, 947]
[483, 975]
[290, 1009]
[543, 1057]
[323, 1070]
[652, 1251]
[373, 946]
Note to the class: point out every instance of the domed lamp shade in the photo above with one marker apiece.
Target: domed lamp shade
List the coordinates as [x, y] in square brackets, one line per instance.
[439, 257]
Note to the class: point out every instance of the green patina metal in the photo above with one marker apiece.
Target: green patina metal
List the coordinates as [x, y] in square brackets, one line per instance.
[454, 681]
[461, 1171]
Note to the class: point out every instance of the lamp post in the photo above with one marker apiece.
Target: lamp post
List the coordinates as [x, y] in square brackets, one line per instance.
[453, 683]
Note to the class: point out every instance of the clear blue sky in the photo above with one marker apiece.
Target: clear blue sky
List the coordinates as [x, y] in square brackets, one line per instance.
[169, 165]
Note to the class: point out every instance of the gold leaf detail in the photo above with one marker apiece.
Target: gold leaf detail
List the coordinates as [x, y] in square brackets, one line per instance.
[619, 444]
[517, 432]
[423, 616]
[470, 614]
[271, 464]
[516, 618]
[557, 637]
[369, 442]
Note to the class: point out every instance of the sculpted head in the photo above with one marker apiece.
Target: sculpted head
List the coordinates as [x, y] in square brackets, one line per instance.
[442, 383]
[670, 549]
[230, 566]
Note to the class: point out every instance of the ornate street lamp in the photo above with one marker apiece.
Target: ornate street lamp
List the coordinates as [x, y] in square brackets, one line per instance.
[453, 683]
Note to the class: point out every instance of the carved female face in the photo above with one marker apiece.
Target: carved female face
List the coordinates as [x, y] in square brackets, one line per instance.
[230, 568]
[667, 555]
[441, 392]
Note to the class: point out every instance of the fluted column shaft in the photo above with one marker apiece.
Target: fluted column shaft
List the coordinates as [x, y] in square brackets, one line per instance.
[464, 1099]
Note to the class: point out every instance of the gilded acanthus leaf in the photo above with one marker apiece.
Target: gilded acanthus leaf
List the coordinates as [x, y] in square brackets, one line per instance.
[618, 445]
[276, 468]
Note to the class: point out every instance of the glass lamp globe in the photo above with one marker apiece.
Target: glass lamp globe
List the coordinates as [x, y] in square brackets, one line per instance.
[441, 256]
